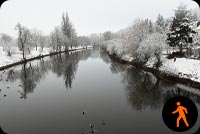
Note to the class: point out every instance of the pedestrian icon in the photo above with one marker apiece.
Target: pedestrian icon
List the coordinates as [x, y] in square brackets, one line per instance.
[182, 111]
[179, 113]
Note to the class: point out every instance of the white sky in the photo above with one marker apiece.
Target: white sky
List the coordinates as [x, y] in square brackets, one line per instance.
[88, 16]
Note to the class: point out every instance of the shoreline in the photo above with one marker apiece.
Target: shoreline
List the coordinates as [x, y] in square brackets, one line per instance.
[37, 57]
[158, 73]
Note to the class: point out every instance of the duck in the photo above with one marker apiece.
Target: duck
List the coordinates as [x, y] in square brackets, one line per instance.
[93, 131]
[103, 123]
[91, 126]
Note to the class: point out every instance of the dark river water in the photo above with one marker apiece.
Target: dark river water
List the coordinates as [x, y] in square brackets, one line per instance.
[49, 96]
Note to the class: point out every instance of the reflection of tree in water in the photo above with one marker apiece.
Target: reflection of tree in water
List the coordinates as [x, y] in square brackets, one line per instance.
[57, 64]
[66, 65]
[27, 79]
[11, 75]
[143, 89]
[95, 52]
[30, 74]
[105, 57]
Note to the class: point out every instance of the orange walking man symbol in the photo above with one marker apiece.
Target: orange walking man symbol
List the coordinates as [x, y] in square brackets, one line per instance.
[182, 111]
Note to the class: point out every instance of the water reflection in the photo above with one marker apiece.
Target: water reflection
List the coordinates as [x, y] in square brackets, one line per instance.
[31, 73]
[143, 89]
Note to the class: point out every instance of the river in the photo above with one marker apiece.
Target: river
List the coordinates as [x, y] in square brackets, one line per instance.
[68, 92]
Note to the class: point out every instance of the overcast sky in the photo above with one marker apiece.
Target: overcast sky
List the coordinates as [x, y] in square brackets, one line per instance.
[88, 16]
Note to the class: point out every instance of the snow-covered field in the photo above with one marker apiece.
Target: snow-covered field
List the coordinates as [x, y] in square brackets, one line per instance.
[17, 54]
[182, 67]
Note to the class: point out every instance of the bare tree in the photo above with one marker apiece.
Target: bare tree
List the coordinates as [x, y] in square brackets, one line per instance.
[35, 36]
[66, 28]
[136, 33]
[23, 38]
[41, 40]
[83, 40]
[57, 39]
[96, 39]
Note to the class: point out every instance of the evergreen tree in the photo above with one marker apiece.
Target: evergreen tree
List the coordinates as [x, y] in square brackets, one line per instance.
[160, 22]
[180, 31]
[150, 27]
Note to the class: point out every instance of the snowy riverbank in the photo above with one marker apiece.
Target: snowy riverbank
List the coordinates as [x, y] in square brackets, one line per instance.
[16, 56]
[182, 68]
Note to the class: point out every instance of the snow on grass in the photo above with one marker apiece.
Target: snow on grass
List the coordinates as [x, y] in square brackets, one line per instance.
[17, 54]
[184, 68]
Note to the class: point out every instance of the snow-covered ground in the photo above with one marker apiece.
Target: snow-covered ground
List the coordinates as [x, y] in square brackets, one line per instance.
[17, 54]
[182, 67]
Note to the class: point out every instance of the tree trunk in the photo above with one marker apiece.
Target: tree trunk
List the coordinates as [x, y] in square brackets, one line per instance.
[23, 53]
[181, 48]
[65, 48]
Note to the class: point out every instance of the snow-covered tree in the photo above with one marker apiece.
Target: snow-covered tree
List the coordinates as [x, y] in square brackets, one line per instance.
[74, 38]
[83, 40]
[160, 24]
[24, 38]
[151, 47]
[35, 37]
[6, 43]
[42, 40]
[107, 35]
[151, 29]
[136, 33]
[57, 39]
[69, 31]
[96, 39]
[180, 31]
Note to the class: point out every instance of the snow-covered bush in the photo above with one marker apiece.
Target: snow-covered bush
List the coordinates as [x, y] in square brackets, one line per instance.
[115, 46]
[152, 47]
[196, 40]
[196, 46]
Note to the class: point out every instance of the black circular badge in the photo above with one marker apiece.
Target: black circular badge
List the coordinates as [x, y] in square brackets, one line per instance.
[179, 113]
